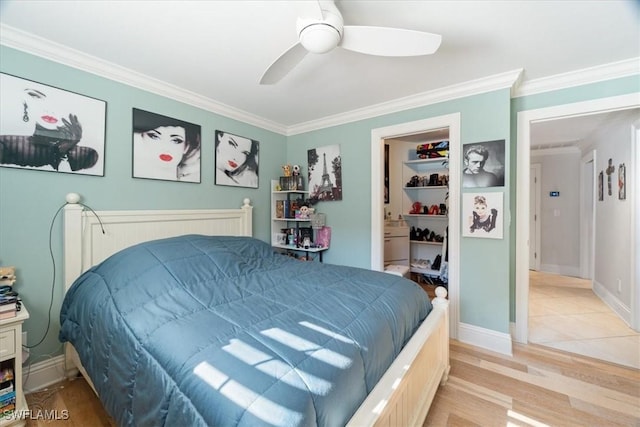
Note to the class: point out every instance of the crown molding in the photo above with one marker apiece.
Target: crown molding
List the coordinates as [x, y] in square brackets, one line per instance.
[613, 70]
[555, 151]
[30, 43]
[473, 87]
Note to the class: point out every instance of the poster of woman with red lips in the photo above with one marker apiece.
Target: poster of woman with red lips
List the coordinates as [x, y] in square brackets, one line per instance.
[165, 148]
[236, 160]
[50, 129]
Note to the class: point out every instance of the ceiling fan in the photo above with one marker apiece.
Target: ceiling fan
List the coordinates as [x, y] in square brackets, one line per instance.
[322, 29]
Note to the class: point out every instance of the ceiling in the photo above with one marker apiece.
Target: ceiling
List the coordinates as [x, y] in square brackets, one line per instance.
[218, 50]
[580, 131]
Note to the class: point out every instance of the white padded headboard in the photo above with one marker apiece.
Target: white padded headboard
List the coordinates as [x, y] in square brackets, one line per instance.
[85, 244]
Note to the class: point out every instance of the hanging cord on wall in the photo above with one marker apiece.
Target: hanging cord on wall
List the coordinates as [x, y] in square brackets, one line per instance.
[53, 262]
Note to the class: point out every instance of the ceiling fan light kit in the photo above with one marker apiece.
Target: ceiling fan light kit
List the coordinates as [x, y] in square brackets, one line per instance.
[319, 38]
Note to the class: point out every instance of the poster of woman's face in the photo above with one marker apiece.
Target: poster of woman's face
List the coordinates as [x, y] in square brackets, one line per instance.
[50, 129]
[482, 215]
[165, 148]
[236, 160]
[483, 164]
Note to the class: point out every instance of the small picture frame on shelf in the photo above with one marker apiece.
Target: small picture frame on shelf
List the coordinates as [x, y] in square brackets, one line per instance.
[281, 238]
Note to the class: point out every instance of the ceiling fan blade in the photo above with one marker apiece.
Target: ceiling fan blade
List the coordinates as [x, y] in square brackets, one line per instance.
[284, 64]
[383, 41]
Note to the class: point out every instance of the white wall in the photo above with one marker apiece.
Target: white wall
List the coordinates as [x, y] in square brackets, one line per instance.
[559, 216]
[613, 268]
[397, 155]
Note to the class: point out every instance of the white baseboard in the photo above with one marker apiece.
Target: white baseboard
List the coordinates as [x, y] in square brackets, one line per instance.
[565, 270]
[613, 302]
[486, 338]
[40, 375]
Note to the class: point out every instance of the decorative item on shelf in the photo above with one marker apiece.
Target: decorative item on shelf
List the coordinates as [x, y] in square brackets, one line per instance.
[280, 209]
[297, 176]
[433, 150]
[291, 183]
[323, 237]
[304, 233]
[317, 220]
[303, 211]
[414, 181]
[7, 276]
[295, 206]
[281, 238]
[286, 170]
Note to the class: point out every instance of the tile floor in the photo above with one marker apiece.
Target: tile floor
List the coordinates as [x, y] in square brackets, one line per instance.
[565, 314]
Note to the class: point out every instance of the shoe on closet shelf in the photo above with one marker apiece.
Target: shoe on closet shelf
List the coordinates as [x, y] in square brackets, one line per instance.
[421, 263]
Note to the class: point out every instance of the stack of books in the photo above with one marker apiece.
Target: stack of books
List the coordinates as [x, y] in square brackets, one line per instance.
[8, 306]
[7, 392]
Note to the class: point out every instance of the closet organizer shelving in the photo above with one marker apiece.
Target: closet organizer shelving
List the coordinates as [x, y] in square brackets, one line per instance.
[429, 191]
[286, 220]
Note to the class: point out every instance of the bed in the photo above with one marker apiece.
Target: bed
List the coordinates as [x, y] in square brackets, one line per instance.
[247, 336]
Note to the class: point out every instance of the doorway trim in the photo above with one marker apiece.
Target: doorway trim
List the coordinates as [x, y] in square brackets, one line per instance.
[523, 160]
[378, 136]
[537, 167]
[587, 214]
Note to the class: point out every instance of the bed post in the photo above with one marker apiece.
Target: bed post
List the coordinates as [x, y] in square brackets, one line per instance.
[247, 227]
[441, 301]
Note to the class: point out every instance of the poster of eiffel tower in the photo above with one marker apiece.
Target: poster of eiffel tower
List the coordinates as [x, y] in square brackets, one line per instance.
[325, 174]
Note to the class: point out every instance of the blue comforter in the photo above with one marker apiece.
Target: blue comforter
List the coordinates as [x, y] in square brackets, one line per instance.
[222, 331]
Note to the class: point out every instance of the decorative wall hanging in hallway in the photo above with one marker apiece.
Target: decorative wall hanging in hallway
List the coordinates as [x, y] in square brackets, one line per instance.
[622, 186]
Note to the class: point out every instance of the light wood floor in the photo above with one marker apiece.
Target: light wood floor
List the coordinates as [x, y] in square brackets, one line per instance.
[538, 387]
[565, 313]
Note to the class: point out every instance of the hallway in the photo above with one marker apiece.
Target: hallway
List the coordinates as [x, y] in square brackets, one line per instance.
[565, 314]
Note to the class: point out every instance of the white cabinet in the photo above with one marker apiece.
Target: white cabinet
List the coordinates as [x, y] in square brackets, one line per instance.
[424, 209]
[396, 246]
[11, 361]
[287, 231]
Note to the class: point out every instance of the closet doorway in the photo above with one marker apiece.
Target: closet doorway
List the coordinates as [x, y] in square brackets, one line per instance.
[381, 136]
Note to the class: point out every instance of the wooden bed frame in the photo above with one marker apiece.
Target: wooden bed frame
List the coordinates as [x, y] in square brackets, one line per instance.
[402, 396]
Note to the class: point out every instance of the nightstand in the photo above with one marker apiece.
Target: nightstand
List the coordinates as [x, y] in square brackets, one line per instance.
[11, 357]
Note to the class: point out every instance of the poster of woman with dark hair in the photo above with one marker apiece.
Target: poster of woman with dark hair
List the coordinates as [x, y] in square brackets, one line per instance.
[484, 215]
[45, 128]
[236, 160]
[165, 148]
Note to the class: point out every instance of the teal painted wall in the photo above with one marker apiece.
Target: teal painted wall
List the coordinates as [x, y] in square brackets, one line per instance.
[485, 261]
[29, 199]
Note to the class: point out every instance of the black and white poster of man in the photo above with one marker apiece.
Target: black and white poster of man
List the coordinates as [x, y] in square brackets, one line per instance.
[50, 129]
[482, 215]
[483, 164]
